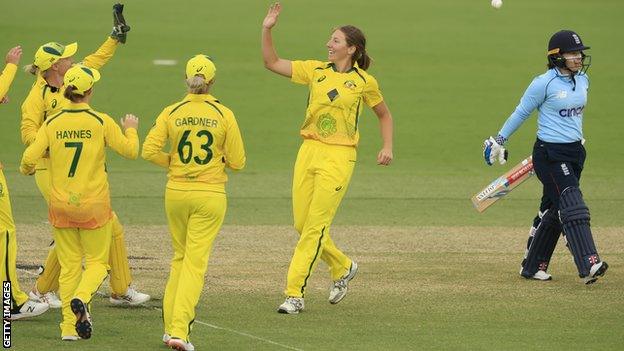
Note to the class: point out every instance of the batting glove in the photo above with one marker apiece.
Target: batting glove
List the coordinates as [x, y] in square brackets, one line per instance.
[493, 150]
[120, 27]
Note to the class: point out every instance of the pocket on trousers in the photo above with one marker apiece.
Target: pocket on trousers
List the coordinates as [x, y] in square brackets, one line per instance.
[559, 153]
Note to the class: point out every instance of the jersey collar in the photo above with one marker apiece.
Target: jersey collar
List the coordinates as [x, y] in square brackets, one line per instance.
[355, 67]
[41, 80]
[200, 97]
[80, 106]
[564, 76]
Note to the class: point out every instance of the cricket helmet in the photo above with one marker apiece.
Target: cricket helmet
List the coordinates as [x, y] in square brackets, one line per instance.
[566, 41]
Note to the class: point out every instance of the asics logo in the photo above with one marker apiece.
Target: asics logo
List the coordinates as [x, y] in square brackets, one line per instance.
[571, 112]
[321, 79]
[199, 69]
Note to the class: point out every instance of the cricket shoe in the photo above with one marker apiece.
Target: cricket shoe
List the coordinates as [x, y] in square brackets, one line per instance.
[84, 328]
[292, 305]
[166, 338]
[130, 298]
[28, 309]
[50, 298]
[70, 338]
[339, 288]
[539, 275]
[180, 345]
[596, 270]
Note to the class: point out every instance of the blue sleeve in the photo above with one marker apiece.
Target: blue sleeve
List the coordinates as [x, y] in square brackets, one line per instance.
[533, 97]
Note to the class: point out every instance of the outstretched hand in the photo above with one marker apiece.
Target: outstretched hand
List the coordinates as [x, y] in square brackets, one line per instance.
[14, 55]
[120, 27]
[271, 18]
[130, 121]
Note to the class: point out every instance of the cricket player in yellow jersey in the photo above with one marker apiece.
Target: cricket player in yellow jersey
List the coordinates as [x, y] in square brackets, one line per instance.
[21, 307]
[45, 99]
[339, 89]
[79, 205]
[204, 139]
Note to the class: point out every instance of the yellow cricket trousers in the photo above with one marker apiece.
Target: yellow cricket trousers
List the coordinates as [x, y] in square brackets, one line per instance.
[321, 178]
[120, 277]
[71, 245]
[194, 217]
[8, 242]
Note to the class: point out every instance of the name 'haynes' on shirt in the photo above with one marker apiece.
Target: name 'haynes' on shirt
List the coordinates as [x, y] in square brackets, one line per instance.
[73, 134]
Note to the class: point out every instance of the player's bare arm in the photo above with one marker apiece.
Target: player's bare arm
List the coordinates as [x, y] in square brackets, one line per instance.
[12, 57]
[271, 60]
[384, 157]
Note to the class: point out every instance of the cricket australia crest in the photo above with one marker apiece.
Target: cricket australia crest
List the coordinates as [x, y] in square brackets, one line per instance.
[326, 125]
[349, 84]
[74, 199]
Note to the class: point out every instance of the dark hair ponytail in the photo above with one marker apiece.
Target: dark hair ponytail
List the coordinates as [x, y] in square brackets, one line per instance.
[355, 37]
[72, 96]
[364, 61]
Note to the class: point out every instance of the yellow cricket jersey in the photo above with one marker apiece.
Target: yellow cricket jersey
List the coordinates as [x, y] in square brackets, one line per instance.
[336, 100]
[6, 218]
[204, 138]
[44, 100]
[76, 138]
[6, 78]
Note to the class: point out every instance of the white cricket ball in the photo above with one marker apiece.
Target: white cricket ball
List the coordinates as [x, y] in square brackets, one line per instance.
[497, 4]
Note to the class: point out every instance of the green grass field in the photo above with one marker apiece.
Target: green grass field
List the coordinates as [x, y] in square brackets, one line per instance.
[434, 273]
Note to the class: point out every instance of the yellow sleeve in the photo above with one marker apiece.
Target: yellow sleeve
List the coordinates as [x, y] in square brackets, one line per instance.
[155, 141]
[127, 145]
[33, 110]
[372, 94]
[102, 55]
[6, 78]
[34, 152]
[302, 71]
[234, 149]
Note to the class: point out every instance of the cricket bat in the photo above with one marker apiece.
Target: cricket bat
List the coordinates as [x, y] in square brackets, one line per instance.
[503, 185]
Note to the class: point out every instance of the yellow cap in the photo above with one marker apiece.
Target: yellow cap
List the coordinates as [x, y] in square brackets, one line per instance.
[49, 53]
[81, 77]
[201, 65]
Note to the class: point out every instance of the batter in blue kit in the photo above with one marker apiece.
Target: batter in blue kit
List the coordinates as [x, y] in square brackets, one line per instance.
[560, 97]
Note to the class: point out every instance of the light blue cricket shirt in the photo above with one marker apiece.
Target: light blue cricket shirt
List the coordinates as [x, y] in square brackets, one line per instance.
[560, 104]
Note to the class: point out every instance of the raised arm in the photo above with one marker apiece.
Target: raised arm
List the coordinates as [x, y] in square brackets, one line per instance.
[127, 143]
[6, 78]
[102, 55]
[271, 61]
